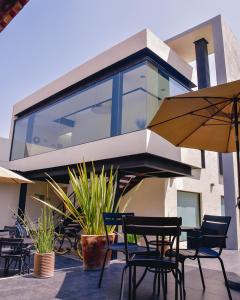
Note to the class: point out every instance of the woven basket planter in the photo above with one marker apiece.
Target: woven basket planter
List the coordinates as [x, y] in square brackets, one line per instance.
[44, 264]
[94, 250]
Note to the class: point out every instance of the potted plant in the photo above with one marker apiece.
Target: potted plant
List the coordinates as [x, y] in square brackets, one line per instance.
[42, 235]
[94, 194]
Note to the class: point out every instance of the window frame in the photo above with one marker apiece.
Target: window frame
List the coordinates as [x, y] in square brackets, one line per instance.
[117, 76]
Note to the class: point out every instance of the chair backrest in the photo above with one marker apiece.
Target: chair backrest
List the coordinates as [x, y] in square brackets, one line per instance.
[214, 231]
[159, 227]
[113, 219]
[215, 225]
[15, 244]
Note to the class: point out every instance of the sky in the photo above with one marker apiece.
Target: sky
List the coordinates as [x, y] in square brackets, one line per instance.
[50, 37]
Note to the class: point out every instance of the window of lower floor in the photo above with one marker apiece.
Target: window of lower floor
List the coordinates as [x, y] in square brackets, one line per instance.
[188, 208]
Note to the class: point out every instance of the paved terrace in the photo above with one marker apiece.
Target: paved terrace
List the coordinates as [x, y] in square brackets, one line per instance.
[71, 282]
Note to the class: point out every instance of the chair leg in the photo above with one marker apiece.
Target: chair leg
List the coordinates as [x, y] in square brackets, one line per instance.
[154, 282]
[20, 266]
[130, 284]
[176, 285]
[183, 278]
[102, 270]
[159, 282]
[164, 286]
[134, 282]
[201, 273]
[225, 278]
[141, 278]
[122, 282]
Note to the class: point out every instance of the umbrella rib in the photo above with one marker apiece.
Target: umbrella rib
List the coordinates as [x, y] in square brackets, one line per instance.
[217, 125]
[205, 98]
[210, 118]
[197, 97]
[183, 115]
[200, 126]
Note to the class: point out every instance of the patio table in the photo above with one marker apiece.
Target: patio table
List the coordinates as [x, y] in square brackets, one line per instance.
[189, 228]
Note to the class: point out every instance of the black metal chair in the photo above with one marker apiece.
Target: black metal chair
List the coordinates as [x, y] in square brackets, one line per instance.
[11, 251]
[115, 219]
[154, 261]
[206, 242]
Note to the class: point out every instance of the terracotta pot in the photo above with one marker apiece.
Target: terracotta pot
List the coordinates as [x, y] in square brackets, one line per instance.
[94, 249]
[44, 264]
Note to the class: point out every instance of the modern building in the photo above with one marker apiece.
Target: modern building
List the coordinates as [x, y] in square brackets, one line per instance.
[100, 111]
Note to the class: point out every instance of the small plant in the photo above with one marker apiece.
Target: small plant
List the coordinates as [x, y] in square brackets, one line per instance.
[42, 232]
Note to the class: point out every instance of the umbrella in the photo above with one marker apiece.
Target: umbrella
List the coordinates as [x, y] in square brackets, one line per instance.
[7, 176]
[207, 119]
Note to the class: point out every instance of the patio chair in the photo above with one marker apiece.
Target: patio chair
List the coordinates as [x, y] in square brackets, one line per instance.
[206, 242]
[115, 219]
[14, 251]
[153, 261]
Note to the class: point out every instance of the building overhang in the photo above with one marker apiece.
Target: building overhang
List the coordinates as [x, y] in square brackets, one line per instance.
[183, 43]
[138, 166]
[136, 156]
[144, 41]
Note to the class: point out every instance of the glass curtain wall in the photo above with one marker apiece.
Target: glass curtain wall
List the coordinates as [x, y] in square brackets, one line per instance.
[144, 88]
[79, 118]
[86, 115]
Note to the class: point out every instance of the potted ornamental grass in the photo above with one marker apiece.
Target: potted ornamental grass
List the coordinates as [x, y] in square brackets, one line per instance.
[42, 234]
[94, 194]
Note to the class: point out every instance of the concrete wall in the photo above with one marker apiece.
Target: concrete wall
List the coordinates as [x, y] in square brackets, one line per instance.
[9, 194]
[147, 198]
[4, 152]
[40, 190]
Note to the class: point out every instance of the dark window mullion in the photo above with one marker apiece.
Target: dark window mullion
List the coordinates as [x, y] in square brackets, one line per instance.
[116, 119]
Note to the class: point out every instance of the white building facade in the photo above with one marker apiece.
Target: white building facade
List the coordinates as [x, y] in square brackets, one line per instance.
[100, 111]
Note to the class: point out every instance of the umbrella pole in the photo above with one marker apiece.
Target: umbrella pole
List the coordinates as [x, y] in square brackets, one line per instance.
[234, 283]
[235, 108]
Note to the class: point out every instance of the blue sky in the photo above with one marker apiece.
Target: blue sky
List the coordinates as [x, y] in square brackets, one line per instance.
[49, 38]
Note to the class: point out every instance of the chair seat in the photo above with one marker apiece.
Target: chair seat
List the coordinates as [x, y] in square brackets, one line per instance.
[153, 261]
[191, 253]
[207, 253]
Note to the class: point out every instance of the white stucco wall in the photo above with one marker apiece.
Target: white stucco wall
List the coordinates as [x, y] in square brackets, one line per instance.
[33, 208]
[9, 194]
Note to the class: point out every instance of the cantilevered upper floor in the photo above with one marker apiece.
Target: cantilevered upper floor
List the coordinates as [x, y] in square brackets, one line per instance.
[87, 112]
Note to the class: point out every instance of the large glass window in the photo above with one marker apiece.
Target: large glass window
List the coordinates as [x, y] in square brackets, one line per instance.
[80, 118]
[87, 115]
[143, 89]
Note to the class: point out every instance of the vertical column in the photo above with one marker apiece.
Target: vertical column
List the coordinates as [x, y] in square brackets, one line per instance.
[202, 62]
[22, 199]
[203, 73]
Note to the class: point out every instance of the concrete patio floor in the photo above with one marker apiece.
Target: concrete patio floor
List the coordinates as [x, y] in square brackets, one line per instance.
[71, 282]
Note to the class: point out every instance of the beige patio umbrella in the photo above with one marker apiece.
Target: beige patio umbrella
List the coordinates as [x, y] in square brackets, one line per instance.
[7, 176]
[207, 119]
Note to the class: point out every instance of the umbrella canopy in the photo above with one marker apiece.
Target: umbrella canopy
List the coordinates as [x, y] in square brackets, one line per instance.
[207, 119]
[7, 176]
[204, 119]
